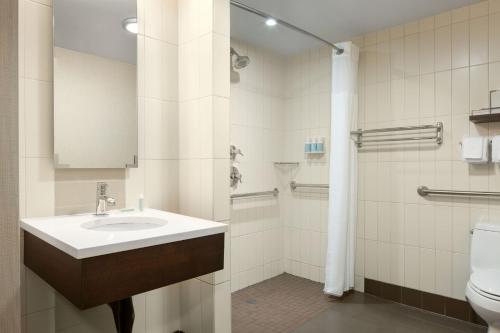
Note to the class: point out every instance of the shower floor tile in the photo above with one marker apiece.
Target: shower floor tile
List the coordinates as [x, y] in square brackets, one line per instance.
[288, 303]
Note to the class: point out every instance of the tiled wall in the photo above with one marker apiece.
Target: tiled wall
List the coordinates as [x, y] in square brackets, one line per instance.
[304, 211]
[36, 172]
[278, 103]
[45, 191]
[257, 128]
[204, 150]
[434, 69]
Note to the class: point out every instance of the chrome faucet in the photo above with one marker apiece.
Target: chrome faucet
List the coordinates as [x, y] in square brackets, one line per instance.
[102, 200]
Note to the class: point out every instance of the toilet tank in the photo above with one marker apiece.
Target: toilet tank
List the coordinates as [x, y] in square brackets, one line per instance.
[485, 247]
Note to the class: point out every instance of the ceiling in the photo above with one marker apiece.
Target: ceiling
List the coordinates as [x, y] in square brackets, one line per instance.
[333, 20]
[95, 27]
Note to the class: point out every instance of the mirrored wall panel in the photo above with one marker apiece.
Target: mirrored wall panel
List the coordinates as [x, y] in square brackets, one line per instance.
[95, 83]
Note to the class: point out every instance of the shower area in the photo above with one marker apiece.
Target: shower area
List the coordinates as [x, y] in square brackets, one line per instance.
[280, 137]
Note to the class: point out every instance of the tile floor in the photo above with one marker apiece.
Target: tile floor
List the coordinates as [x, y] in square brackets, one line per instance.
[291, 304]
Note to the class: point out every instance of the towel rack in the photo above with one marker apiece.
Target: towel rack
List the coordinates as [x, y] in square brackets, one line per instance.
[274, 193]
[424, 191]
[360, 134]
[294, 185]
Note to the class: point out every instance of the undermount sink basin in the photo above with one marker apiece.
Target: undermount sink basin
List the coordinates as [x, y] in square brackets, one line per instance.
[124, 223]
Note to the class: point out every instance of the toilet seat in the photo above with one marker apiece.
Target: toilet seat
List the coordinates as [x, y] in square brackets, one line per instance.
[482, 293]
[486, 283]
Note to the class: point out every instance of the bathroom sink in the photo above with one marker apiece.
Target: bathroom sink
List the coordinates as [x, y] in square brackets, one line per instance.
[124, 223]
[94, 260]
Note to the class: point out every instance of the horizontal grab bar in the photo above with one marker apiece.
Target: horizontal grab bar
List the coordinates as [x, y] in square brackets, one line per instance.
[294, 185]
[274, 193]
[424, 191]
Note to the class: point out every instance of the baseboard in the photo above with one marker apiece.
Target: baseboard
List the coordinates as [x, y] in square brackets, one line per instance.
[442, 305]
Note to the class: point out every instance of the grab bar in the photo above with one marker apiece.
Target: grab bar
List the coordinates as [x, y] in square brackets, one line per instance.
[274, 193]
[294, 185]
[424, 191]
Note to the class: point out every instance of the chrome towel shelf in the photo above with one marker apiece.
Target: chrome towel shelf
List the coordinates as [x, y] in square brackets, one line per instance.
[424, 191]
[294, 185]
[274, 193]
[361, 137]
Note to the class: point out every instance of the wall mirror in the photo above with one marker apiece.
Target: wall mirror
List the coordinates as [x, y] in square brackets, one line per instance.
[95, 83]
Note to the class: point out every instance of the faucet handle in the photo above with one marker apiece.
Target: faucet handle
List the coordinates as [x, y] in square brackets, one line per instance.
[102, 188]
[111, 201]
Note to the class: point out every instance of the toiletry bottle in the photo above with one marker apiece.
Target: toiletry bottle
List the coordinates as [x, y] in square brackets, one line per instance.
[314, 145]
[141, 202]
[321, 145]
[307, 145]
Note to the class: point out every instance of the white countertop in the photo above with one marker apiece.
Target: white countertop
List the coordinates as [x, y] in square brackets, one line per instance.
[66, 233]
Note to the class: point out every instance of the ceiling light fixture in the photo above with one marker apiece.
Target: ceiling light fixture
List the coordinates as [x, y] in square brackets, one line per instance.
[130, 24]
[270, 22]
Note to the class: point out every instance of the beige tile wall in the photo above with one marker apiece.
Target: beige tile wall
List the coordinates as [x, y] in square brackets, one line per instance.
[435, 69]
[304, 211]
[257, 128]
[279, 102]
[204, 150]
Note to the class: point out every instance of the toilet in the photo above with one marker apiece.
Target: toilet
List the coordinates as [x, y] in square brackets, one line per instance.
[483, 287]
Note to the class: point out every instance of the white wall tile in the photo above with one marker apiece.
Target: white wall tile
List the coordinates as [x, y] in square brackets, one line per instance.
[460, 91]
[427, 270]
[38, 41]
[461, 229]
[371, 259]
[426, 49]
[444, 273]
[479, 41]
[38, 118]
[444, 222]
[494, 31]
[460, 44]
[412, 267]
[443, 48]
[460, 275]
[479, 93]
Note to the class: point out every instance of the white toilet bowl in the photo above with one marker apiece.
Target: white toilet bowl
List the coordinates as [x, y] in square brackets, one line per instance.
[486, 307]
[483, 288]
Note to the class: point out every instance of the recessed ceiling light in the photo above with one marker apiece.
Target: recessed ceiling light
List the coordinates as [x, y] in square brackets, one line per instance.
[130, 24]
[270, 22]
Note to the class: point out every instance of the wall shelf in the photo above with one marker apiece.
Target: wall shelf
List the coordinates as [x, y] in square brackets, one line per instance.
[489, 114]
[286, 164]
[485, 117]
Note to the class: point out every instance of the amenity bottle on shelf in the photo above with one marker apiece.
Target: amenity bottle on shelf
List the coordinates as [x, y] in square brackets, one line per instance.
[307, 145]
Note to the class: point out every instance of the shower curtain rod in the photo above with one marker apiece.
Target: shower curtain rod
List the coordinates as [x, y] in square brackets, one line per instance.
[286, 24]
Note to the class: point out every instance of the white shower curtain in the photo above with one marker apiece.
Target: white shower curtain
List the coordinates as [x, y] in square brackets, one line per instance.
[342, 208]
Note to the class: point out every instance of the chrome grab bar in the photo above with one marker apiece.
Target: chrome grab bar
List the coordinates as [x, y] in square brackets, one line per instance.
[424, 191]
[274, 193]
[294, 185]
[360, 139]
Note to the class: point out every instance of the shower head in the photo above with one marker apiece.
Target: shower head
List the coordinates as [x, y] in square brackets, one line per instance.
[239, 62]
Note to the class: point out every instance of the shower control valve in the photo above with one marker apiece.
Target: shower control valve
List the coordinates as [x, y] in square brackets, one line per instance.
[235, 177]
[233, 152]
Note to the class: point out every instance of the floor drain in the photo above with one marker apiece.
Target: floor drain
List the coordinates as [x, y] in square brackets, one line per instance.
[251, 301]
